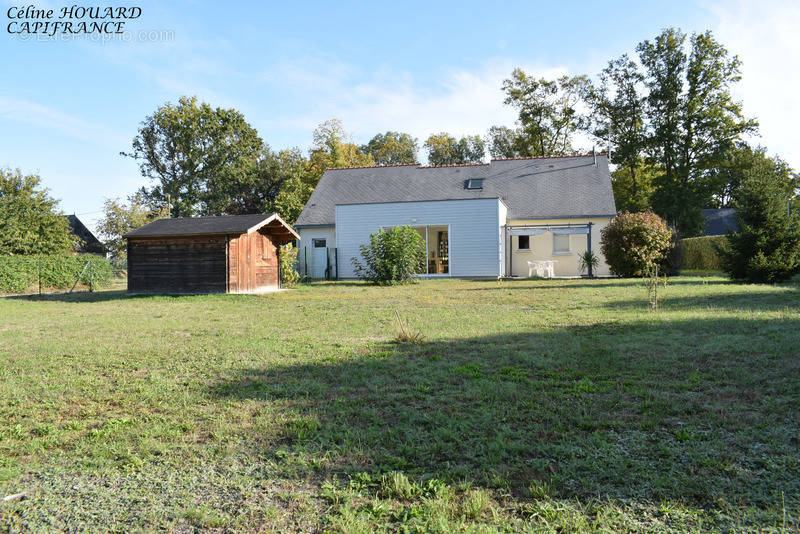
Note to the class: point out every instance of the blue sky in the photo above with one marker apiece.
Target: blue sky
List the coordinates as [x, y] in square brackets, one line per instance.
[67, 108]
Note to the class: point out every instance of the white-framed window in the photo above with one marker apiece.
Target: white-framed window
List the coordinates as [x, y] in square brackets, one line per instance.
[320, 243]
[560, 243]
[524, 242]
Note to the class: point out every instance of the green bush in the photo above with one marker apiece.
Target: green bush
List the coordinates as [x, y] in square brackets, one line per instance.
[21, 273]
[288, 259]
[703, 252]
[634, 242]
[392, 257]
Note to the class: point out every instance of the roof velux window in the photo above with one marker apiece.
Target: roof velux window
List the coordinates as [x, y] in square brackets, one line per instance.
[474, 183]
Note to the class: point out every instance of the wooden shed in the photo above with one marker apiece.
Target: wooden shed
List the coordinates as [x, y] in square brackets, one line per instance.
[226, 254]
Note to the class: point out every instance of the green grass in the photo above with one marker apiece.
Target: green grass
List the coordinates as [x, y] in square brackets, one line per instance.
[552, 406]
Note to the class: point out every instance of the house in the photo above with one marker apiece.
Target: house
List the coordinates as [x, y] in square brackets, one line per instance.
[719, 221]
[88, 243]
[486, 220]
[227, 254]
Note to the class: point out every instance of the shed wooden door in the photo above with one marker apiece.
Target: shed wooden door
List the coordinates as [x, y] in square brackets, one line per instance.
[177, 265]
[253, 263]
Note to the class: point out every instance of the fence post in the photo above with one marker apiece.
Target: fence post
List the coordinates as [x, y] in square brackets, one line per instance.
[91, 286]
[40, 275]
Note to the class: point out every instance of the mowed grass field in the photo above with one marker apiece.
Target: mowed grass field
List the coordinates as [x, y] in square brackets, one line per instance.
[552, 406]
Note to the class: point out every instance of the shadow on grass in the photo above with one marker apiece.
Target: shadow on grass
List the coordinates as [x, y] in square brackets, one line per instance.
[95, 296]
[776, 298]
[704, 412]
[594, 283]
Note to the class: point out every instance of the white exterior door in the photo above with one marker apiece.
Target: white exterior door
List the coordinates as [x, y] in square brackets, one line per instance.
[319, 258]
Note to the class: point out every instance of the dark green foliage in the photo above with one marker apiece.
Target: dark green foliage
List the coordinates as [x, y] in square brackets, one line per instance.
[21, 273]
[29, 219]
[395, 256]
[588, 259]
[634, 242]
[200, 157]
[392, 148]
[767, 246]
[702, 253]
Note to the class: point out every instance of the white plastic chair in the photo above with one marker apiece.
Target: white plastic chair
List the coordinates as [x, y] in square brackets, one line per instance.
[537, 267]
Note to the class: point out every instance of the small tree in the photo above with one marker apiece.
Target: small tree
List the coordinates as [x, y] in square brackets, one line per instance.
[391, 257]
[767, 246]
[633, 243]
[119, 219]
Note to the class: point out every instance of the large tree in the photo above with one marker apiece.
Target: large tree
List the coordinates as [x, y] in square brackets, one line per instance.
[444, 149]
[618, 118]
[548, 112]
[392, 148]
[333, 148]
[30, 222]
[694, 120]
[504, 142]
[197, 156]
[120, 218]
[297, 183]
[298, 176]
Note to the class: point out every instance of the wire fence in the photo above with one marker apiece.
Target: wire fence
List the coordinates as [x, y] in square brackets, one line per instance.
[43, 274]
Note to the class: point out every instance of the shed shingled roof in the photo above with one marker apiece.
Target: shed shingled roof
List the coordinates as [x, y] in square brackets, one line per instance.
[220, 225]
[532, 188]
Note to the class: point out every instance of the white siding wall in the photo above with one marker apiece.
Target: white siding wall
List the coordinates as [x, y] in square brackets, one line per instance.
[474, 238]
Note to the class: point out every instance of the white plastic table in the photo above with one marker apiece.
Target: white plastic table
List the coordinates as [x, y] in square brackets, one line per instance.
[543, 268]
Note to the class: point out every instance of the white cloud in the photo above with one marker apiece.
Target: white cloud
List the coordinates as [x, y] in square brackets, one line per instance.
[764, 36]
[461, 102]
[36, 114]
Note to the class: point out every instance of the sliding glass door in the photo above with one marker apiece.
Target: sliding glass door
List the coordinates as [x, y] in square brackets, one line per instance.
[437, 247]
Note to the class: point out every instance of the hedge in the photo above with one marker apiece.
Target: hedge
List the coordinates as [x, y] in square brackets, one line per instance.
[21, 273]
[701, 252]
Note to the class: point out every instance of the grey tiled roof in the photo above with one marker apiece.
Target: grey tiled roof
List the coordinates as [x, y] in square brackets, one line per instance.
[718, 221]
[533, 188]
[222, 225]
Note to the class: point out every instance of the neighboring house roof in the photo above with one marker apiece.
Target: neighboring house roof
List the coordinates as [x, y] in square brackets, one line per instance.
[531, 188]
[221, 225]
[718, 221]
[89, 243]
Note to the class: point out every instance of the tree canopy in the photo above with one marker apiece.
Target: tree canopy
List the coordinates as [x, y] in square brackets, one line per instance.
[30, 222]
[391, 148]
[197, 156]
[548, 112]
[444, 149]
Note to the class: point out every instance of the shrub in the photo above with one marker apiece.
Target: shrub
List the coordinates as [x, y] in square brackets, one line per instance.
[703, 253]
[391, 257]
[288, 259]
[21, 273]
[634, 242]
[767, 246]
[586, 260]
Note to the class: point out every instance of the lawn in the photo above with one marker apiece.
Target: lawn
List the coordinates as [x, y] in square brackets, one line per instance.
[554, 406]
